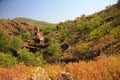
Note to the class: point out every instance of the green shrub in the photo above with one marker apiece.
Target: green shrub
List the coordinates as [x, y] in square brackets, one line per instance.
[45, 29]
[95, 21]
[39, 57]
[115, 32]
[26, 36]
[29, 58]
[84, 47]
[63, 35]
[54, 50]
[4, 42]
[101, 31]
[7, 60]
[16, 43]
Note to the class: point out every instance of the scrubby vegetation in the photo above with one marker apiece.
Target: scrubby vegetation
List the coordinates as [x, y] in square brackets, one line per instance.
[7, 60]
[76, 47]
[104, 68]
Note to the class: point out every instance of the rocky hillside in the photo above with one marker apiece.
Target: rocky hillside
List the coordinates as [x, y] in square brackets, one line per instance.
[93, 35]
[84, 38]
[31, 21]
[14, 26]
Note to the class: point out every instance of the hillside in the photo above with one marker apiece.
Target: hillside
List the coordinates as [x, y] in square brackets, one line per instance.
[15, 26]
[31, 21]
[88, 37]
[85, 38]
[87, 48]
[95, 34]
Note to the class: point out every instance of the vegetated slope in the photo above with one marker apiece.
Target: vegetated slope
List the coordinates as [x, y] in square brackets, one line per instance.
[90, 36]
[85, 38]
[13, 28]
[19, 38]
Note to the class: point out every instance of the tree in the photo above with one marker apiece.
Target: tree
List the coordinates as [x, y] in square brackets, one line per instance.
[4, 42]
[7, 60]
[16, 45]
[29, 58]
[95, 21]
[26, 36]
[54, 50]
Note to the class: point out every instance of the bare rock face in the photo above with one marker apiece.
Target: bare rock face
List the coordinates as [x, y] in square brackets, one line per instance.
[39, 74]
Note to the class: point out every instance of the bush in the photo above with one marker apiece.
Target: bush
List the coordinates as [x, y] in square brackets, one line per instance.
[4, 42]
[63, 35]
[39, 57]
[95, 21]
[7, 60]
[29, 58]
[16, 43]
[101, 31]
[84, 47]
[54, 50]
[26, 36]
[46, 29]
[115, 32]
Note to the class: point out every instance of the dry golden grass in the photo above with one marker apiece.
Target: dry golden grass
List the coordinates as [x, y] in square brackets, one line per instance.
[20, 72]
[105, 68]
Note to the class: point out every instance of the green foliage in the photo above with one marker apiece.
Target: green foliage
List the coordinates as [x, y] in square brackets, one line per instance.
[115, 32]
[95, 21]
[4, 42]
[45, 29]
[7, 60]
[79, 27]
[102, 28]
[30, 59]
[52, 39]
[116, 21]
[63, 35]
[39, 57]
[54, 50]
[19, 27]
[84, 47]
[101, 31]
[16, 43]
[26, 36]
